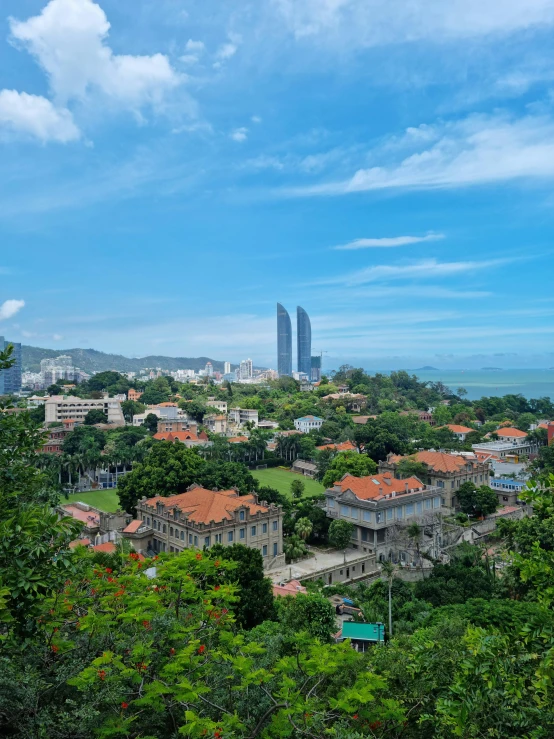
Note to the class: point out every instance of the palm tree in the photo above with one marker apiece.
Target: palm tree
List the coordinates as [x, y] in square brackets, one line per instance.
[414, 532]
[303, 528]
[294, 548]
[389, 569]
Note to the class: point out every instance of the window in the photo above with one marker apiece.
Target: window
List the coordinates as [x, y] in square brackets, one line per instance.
[428, 503]
[344, 510]
[436, 502]
[190, 538]
[275, 549]
[182, 536]
[264, 528]
[440, 483]
[409, 509]
[379, 517]
[218, 538]
[264, 550]
[354, 513]
[390, 513]
[242, 533]
[148, 520]
[241, 515]
[195, 541]
[367, 515]
[253, 531]
[207, 541]
[159, 526]
[230, 537]
[164, 529]
[275, 525]
[418, 507]
[399, 512]
[171, 531]
[505, 498]
[330, 503]
[364, 535]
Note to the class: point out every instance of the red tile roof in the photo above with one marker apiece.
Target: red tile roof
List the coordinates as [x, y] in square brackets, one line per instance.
[377, 486]
[205, 506]
[237, 439]
[437, 461]
[289, 588]
[511, 432]
[176, 436]
[344, 446]
[108, 547]
[133, 527]
[456, 429]
[79, 542]
[89, 517]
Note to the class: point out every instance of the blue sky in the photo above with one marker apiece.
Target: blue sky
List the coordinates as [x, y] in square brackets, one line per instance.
[170, 169]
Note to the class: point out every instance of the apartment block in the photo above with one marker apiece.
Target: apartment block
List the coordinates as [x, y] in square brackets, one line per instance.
[200, 518]
[64, 407]
[216, 424]
[240, 416]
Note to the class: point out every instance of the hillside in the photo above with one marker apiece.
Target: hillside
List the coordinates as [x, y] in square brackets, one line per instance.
[91, 360]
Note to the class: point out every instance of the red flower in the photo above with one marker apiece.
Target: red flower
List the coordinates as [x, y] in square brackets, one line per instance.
[146, 624]
[201, 649]
[355, 717]
[124, 705]
[224, 611]
[101, 674]
[216, 587]
[217, 563]
[109, 570]
[199, 556]
[119, 592]
[171, 651]
[55, 648]
[156, 557]
[110, 579]
[139, 565]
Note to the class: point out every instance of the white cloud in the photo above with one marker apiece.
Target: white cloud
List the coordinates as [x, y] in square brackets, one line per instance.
[388, 242]
[476, 150]
[35, 116]
[256, 119]
[264, 162]
[194, 50]
[68, 40]
[195, 46]
[424, 269]
[239, 134]
[227, 50]
[9, 308]
[57, 337]
[378, 22]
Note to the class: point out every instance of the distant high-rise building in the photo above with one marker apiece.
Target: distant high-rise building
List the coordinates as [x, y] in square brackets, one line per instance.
[10, 379]
[246, 369]
[226, 368]
[304, 341]
[316, 369]
[284, 341]
[209, 370]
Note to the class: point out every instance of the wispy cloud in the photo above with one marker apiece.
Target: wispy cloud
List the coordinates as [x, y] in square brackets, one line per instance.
[475, 151]
[387, 242]
[9, 308]
[239, 134]
[423, 269]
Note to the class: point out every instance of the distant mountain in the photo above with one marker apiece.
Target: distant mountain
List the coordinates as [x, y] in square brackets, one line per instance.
[91, 360]
[491, 369]
[426, 369]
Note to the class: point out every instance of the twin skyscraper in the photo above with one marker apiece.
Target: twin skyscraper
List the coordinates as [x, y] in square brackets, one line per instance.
[284, 341]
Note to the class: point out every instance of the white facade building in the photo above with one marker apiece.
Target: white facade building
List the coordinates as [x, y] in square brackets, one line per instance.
[246, 370]
[308, 423]
[64, 407]
[226, 368]
[240, 416]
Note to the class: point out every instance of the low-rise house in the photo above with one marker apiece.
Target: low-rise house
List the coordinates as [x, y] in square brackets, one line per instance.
[216, 424]
[291, 588]
[354, 401]
[459, 431]
[57, 436]
[241, 416]
[507, 489]
[362, 420]
[308, 423]
[304, 467]
[176, 424]
[343, 446]
[380, 507]
[362, 635]
[444, 471]
[199, 518]
[508, 451]
[510, 434]
[133, 394]
[220, 405]
[189, 438]
[64, 407]
[237, 439]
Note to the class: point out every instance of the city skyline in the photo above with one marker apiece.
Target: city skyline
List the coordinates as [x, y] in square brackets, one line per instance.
[303, 342]
[389, 170]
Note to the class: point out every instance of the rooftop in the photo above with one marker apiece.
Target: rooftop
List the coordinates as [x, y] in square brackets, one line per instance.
[437, 461]
[207, 506]
[289, 588]
[509, 431]
[456, 429]
[375, 487]
[344, 446]
[89, 517]
[310, 418]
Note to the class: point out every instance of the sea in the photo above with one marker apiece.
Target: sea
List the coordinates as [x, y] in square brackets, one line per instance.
[531, 383]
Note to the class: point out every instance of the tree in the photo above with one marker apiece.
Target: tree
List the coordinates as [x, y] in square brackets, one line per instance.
[297, 488]
[410, 467]
[226, 475]
[340, 533]
[303, 528]
[351, 463]
[255, 603]
[477, 501]
[131, 408]
[312, 613]
[389, 571]
[84, 440]
[95, 416]
[151, 423]
[54, 389]
[294, 548]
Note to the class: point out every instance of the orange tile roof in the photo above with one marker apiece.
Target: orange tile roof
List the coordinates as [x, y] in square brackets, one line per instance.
[344, 446]
[109, 547]
[79, 543]
[237, 439]
[289, 588]
[164, 405]
[205, 506]
[89, 517]
[377, 486]
[437, 461]
[456, 429]
[133, 527]
[176, 436]
[511, 432]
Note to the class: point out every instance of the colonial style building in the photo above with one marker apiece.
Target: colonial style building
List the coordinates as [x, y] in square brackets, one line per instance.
[445, 471]
[199, 518]
[380, 507]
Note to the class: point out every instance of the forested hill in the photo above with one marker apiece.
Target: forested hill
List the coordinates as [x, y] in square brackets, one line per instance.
[91, 360]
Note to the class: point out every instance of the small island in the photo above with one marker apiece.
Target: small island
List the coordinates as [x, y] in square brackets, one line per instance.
[492, 369]
[426, 369]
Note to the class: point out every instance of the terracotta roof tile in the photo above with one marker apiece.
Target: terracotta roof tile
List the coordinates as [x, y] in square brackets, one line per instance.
[108, 547]
[205, 506]
[133, 527]
[511, 432]
[437, 461]
[456, 429]
[377, 486]
[79, 543]
[344, 446]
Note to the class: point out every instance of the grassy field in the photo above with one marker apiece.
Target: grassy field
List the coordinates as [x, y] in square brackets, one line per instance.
[281, 480]
[105, 500]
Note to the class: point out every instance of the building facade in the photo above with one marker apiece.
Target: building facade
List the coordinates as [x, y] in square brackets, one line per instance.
[200, 518]
[64, 407]
[284, 342]
[240, 416]
[307, 424]
[10, 379]
[380, 507]
[304, 341]
[444, 471]
[246, 370]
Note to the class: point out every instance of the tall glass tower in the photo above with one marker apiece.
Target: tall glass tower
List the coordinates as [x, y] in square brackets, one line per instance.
[304, 339]
[284, 341]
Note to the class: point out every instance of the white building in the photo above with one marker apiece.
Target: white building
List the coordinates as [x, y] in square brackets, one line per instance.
[226, 368]
[221, 405]
[64, 407]
[240, 416]
[246, 370]
[163, 410]
[209, 370]
[308, 423]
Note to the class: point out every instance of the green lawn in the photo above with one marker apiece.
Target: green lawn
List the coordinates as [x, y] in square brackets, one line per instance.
[105, 500]
[281, 480]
